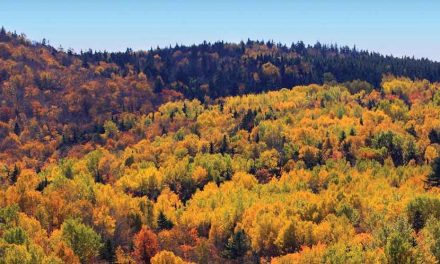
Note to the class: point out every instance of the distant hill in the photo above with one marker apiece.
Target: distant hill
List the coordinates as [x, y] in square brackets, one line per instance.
[223, 69]
[56, 99]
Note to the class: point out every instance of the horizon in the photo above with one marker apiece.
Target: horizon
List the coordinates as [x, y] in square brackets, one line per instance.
[262, 41]
[396, 28]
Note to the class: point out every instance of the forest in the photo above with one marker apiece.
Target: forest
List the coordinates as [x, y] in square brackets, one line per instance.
[217, 153]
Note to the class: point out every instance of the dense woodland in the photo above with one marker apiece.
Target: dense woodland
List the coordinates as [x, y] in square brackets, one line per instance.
[102, 163]
[227, 69]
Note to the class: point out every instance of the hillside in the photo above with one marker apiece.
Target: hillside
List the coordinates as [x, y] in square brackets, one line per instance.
[100, 163]
[309, 173]
[50, 102]
[56, 103]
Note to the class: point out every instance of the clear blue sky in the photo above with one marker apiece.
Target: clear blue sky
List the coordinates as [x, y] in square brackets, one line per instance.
[390, 27]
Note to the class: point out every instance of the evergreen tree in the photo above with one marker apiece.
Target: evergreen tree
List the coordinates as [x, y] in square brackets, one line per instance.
[225, 145]
[163, 222]
[211, 148]
[158, 85]
[108, 251]
[237, 245]
[248, 120]
[85, 64]
[14, 174]
[17, 129]
[3, 35]
[434, 136]
[43, 184]
[342, 136]
[433, 179]
[129, 161]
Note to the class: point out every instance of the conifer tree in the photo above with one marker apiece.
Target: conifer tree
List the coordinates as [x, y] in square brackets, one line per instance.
[163, 222]
[433, 179]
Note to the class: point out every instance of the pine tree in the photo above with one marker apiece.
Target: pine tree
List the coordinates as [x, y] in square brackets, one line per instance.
[433, 179]
[108, 251]
[17, 129]
[237, 245]
[3, 35]
[248, 120]
[185, 109]
[43, 184]
[211, 148]
[434, 136]
[163, 222]
[225, 145]
[14, 175]
[158, 85]
[129, 161]
[352, 132]
[85, 64]
[342, 136]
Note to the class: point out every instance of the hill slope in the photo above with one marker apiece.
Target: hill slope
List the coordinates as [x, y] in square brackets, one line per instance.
[60, 101]
[104, 159]
[292, 176]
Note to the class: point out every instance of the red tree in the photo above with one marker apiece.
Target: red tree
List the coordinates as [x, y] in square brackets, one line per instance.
[145, 245]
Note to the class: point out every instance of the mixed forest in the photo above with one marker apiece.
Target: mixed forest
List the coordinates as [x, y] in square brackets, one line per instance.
[218, 153]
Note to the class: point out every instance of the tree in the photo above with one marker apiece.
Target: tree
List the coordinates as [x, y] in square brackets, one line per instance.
[17, 129]
[433, 231]
[166, 257]
[93, 159]
[15, 235]
[237, 245]
[329, 78]
[17, 254]
[110, 128]
[434, 136]
[145, 245]
[420, 209]
[399, 245]
[14, 174]
[248, 120]
[287, 240]
[398, 250]
[9, 216]
[84, 241]
[211, 147]
[3, 35]
[433, 179]
[122, 257]
[163, 222]
[430, 154]
[158, 85]
[225, 145]
[108, 251]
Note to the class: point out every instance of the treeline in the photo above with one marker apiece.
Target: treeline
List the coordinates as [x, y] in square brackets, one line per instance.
[222, 69]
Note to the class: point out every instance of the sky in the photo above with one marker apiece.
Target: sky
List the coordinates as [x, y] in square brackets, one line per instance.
[399, 28]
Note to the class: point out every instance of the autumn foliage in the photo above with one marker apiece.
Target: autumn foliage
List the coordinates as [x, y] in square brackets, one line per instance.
[145, 245]
[96, 168]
